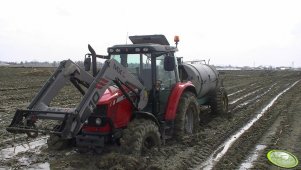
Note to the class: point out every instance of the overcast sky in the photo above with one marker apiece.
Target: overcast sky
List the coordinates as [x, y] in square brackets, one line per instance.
[239, 33]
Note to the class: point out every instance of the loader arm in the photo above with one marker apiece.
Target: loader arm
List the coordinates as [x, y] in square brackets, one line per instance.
[73, 118]
[112, 71]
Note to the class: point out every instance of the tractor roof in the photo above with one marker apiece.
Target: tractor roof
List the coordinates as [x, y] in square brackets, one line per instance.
[144, 44]
[145, 39]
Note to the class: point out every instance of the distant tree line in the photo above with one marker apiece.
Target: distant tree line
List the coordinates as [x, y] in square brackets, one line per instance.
[42, 64]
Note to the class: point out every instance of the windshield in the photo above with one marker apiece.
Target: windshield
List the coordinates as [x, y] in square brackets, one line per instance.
[135, 63]
[140, 66]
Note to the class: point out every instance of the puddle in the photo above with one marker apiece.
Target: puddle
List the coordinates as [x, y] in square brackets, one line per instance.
[10, 152]
[45, 166]
[21, 136]
[248, 163]
[236, 92]
[238, 99]
[223, 148]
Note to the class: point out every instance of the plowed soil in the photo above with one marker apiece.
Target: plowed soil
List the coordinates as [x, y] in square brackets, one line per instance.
[220, 143]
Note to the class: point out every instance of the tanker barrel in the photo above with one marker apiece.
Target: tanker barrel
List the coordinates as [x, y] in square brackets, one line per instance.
[204, 77]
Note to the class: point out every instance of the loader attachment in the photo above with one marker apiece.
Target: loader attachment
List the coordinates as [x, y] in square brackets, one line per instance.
[69, 121]
[25, 121]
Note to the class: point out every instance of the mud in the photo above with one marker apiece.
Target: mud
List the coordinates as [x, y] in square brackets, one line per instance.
[250, 92]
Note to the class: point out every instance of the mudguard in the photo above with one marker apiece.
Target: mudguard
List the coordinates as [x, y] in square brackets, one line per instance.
[145, 115]
[174, 97]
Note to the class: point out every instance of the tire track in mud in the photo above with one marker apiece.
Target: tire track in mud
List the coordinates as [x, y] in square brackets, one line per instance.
[207, 139]
[282, 125]
[245, 96]
[206, 146]
[246, 91]
[239, 91]
[220, 152]
[232, 90]
[254, 99]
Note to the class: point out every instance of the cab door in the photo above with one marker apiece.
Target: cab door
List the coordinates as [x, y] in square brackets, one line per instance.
[165, 82]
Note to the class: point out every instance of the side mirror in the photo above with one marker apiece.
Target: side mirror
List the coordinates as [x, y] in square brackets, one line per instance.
[87, 64]
[91, 50]
[169, 63]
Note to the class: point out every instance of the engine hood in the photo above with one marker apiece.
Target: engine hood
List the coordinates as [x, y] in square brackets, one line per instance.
[110, 94]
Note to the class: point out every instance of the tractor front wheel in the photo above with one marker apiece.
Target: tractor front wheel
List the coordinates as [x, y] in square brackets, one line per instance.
[55, 142]
[140, 136]
[187, 116]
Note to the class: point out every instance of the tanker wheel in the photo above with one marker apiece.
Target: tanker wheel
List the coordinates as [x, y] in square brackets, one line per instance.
[55, 142]
[219, 102]
[187, 116]
[140, 136]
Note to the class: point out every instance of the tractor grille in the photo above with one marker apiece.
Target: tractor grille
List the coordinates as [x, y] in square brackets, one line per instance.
[99, 112]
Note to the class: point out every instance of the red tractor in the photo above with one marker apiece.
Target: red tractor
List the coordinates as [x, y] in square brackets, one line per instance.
[141, 96]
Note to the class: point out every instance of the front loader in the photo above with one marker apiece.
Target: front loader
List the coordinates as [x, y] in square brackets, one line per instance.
[141, 96]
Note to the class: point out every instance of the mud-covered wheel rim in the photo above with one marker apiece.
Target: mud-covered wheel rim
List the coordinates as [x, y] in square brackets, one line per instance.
[189, 120]
[148, 143]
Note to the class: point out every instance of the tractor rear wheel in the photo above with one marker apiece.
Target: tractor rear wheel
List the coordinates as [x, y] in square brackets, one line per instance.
[219, 102]
[187, 116]
[140, 136]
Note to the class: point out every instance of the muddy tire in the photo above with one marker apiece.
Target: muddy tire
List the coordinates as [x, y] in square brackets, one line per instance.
[140, 136]
[55, 142]
[219, 102]
[187, 116]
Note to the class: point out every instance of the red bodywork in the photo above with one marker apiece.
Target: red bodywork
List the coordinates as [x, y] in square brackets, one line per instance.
[119, 109]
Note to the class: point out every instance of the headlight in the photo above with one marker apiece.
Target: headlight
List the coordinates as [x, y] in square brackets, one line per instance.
[98, 121]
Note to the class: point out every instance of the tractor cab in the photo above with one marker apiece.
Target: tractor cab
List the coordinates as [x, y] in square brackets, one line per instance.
[151, 59]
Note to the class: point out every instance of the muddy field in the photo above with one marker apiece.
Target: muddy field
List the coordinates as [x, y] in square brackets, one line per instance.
[265, 109]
